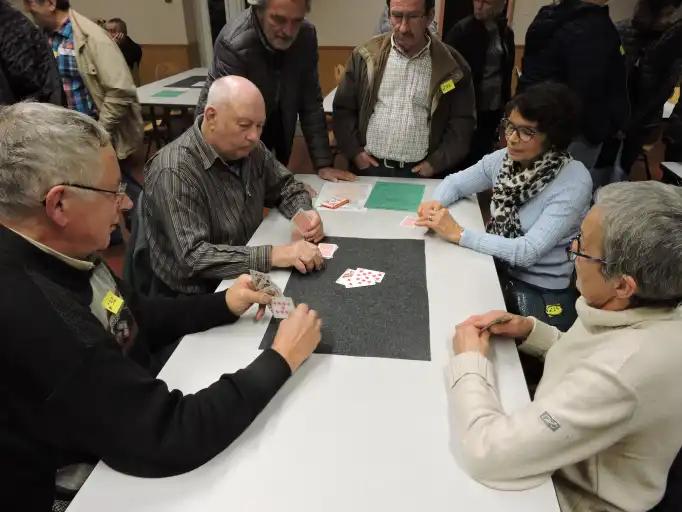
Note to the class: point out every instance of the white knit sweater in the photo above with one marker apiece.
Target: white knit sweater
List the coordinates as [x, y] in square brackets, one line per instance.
[607, 416]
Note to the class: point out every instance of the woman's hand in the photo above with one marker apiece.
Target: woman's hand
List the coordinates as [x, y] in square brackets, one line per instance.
[443, 224]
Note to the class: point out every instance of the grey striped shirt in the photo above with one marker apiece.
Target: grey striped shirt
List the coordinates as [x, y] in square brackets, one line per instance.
[200, 211]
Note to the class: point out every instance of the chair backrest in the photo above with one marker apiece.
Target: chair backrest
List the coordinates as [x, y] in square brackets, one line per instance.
[137, 269]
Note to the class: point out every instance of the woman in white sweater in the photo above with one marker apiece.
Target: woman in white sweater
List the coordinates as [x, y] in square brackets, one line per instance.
[606, 420]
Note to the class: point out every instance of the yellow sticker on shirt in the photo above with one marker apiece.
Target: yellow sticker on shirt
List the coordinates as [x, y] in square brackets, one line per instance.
[112, 303]
[446, 87]
[622, 50]
[554, 310]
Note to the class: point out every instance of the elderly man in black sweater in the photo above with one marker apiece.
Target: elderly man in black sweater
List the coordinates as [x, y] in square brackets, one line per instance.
[74, 383]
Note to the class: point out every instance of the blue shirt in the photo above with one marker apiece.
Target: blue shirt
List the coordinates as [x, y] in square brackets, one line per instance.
[64, 50]
[549, 220]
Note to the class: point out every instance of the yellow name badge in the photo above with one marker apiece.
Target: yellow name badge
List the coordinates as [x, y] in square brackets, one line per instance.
[446, 87]
[622, 50]
[554, 310]
[112, 303]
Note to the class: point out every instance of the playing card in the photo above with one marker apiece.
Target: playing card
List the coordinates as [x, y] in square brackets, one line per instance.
[273, 289]
[360, 280]
[373, 275]
[335, 202]
[327, 250]
[260, 280]
[301, 221]
[346, 277]
[282, 307]
[408, 222]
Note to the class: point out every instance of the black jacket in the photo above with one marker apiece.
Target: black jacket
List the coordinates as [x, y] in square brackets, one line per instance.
[68, 393]
[26, 61]
[470, 38]
[654, 62]
[287, 79]
[577, 44]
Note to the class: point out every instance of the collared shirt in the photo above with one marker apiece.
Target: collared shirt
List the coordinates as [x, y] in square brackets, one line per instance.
[399, 127]
[64, 50]
[200, 211]
[491, 82]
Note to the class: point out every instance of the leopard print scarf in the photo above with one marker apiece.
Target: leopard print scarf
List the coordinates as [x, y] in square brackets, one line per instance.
[515, 187]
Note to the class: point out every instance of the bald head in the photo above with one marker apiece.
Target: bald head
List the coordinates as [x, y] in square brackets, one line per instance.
[229, 90]
[234, 117]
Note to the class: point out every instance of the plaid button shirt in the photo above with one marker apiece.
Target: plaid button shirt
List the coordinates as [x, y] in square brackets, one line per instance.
[64, 50]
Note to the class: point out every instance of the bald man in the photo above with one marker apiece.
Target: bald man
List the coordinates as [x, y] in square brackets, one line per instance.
[205, 193]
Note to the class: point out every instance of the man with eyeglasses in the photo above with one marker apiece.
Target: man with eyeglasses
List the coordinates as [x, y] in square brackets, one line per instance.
[76, 381]
[274, 46]
[605, 420]
[405, 106]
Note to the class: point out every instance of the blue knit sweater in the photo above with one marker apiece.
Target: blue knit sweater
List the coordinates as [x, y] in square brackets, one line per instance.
[549, 220]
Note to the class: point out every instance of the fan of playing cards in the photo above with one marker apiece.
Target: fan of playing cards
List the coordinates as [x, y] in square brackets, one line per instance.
[355, 278]
[280, 306]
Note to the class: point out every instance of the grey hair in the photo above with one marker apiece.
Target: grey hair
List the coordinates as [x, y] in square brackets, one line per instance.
[41, 146]
[642, 231]
[263, 3]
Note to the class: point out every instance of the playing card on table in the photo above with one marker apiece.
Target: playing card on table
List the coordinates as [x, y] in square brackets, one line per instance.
[327, 250]
[282, 307]
[372, 275]
[408, 222]
[301, 221]
[346, 277]
[335, 202]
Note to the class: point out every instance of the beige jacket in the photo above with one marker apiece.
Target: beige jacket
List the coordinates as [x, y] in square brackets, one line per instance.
[109, 82]
[606, 420]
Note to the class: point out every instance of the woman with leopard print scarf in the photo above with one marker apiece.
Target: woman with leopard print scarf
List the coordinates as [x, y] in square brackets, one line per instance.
[540, 196]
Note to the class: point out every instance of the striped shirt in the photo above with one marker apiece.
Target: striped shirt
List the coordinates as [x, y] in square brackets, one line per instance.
[200, 211]
[64, 51]
[399, 127]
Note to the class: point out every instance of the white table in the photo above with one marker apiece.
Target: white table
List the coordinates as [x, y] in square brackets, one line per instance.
[672, 172]
[188, 98]
[345, 433]
[328, 102]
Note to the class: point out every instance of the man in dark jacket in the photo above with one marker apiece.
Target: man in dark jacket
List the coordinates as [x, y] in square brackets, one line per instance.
[26, 62]
[74, 378]
[273, 45]
[652, 40]
[487, 43]
[405, 106]
[575, 42]
[132, 52]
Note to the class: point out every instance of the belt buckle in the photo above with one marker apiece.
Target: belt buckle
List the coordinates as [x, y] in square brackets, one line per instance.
[385, 162]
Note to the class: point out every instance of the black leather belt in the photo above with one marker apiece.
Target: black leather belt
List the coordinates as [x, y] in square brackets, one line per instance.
[395, 164]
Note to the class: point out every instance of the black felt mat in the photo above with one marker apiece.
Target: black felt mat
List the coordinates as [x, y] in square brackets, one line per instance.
[389, 319]
[188, 82]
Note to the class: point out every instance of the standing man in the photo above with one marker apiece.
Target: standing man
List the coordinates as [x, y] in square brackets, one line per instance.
[574, 42]
[27, 69]
[205, 193]
[275, 47]
[132, 52]
[95, 77]
[487, 43]
[406, 105]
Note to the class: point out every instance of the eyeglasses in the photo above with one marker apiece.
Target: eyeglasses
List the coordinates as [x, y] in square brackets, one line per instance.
[398, 17]
[120, 191]
[525, 133]
[572, 255]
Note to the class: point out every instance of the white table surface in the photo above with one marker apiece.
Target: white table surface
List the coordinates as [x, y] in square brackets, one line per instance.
[674, 167]
[344, 433]
[188, 98]
[328, 102]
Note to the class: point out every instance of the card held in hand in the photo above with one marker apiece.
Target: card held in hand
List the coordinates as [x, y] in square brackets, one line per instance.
[282, 307]
[302, 221]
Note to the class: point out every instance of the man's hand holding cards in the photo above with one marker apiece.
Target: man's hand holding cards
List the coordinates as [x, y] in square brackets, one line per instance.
[280, 306]
[244, 293]
[309, 224]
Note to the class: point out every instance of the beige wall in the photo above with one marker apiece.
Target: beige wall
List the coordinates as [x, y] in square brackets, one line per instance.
[149, 21]
[347, 22]
[525, 11]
